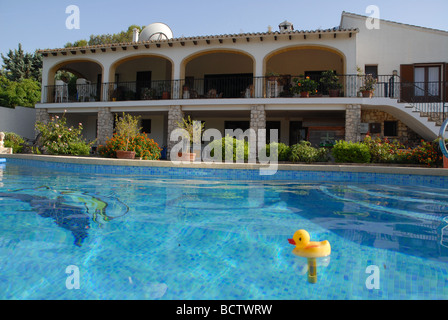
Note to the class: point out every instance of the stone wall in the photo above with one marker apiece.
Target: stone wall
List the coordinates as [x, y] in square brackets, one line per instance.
[175, 115]
[353, 123]
[257, 121]
[105, 125]
[404, 134]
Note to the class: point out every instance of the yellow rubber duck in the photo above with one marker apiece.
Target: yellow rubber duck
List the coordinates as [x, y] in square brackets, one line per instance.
[309, 249]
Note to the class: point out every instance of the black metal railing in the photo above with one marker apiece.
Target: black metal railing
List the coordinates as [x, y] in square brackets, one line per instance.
[428, 98]
[425, 96]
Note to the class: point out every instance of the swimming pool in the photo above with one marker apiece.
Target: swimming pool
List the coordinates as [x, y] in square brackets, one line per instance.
[208, 234]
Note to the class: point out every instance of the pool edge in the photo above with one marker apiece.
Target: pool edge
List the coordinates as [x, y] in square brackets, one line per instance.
[233, 166]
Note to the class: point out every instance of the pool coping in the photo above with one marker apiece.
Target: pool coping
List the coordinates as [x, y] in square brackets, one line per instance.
[234, 166]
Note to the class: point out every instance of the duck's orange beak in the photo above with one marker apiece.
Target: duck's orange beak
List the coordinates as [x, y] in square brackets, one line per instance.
[291, 241]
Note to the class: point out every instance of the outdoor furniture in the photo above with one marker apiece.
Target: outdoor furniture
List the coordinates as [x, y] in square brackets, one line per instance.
[61, 91]
[83, 87]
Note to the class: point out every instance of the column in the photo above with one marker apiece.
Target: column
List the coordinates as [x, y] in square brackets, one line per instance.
[175, 116]
[42, 116]
[353, 123]
[257, 121]
[105, 125]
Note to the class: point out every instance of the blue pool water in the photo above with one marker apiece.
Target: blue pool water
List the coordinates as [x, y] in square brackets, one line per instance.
[204, 234]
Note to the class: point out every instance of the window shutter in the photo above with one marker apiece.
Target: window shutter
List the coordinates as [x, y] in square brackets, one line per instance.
[445, 82]
[407, 82]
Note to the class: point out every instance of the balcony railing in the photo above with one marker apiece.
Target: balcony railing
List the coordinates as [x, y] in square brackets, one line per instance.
[232, 87]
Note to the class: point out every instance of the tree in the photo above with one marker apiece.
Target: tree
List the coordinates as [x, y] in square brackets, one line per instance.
[19, 65]
[24, 93]
[121, 37]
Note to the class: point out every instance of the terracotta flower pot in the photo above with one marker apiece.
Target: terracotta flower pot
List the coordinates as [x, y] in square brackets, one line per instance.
[333, 93]
[165, 95]
[186, 156]
[121, 154]
[367, 94]
[305, 94]
[445, 162]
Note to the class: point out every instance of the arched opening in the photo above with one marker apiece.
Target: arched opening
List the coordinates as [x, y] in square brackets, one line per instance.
[217, 74]
[309, 61]
[74, 81]
[140, 78]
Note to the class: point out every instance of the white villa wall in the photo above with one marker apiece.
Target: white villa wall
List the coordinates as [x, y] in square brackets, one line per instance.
[158, 129]
[395, 44]
[20, 120]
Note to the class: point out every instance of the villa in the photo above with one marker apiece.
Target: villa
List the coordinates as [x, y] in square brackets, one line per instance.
[243, 81]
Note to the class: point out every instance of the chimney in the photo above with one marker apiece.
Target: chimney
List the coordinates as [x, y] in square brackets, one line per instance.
[135, 35]
[286, 26]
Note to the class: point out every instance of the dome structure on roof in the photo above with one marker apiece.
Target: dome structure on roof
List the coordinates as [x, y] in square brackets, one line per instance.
[156, 31]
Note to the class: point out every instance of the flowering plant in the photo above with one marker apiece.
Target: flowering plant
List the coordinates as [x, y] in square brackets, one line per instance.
[304, 84]
[144, 148]
[127, 128]
[369, 82]
[59, 139]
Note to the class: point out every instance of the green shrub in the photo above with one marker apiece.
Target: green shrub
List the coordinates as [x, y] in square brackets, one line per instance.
[59, 139]
[237, 148]
[304, 152]
[283, 151]
[14, 141]
[350, 152]
[383, 151]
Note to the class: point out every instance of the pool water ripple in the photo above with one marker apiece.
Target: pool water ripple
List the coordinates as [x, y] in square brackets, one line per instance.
[149, 237]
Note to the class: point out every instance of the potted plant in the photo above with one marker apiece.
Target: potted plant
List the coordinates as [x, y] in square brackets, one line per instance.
[191, 130]
[127, 129]
[304, 86]
[330, 81]
[369, 82]
[369, 86]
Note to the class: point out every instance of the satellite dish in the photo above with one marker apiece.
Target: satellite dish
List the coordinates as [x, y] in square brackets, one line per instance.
[156, 32]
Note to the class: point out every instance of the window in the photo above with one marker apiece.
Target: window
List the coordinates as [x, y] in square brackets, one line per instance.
[373, 70]
[146, 126]
[427, 81]
[390, 128]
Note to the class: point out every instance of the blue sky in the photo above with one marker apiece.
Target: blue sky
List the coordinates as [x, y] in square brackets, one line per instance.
[41, 24]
